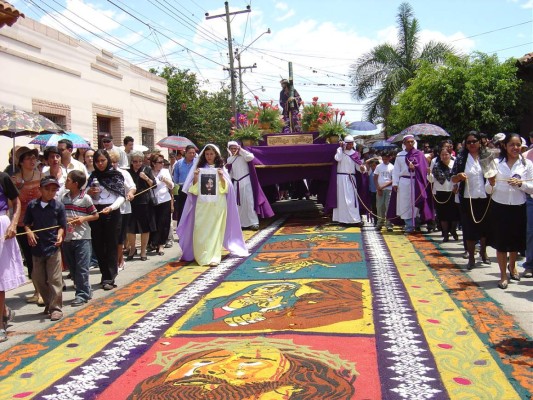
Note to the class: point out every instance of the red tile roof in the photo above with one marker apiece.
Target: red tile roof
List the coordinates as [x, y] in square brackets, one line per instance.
[8, 14]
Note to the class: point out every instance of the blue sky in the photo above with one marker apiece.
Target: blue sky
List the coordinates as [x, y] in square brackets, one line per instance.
[321, 38]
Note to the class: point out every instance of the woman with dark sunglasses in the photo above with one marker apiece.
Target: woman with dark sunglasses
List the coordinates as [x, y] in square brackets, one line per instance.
[474, 201]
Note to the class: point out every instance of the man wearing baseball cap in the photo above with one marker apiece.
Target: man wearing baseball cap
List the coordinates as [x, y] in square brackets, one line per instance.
[47, 215]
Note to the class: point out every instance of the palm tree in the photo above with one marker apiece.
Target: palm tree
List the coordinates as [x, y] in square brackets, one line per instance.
[385, 71]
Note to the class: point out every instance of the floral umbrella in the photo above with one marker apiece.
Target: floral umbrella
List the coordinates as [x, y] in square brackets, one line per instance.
[419, 130]
[175, 142]
[51, 139]
[383, 145]
[15, 123]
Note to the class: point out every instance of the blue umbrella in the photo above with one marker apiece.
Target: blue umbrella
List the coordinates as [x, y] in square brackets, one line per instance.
[49, 139]
[383, 145]
[362, 128]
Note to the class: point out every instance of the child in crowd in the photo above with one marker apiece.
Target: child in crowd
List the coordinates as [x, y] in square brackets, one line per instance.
[77, 247]
[383, 181]
[45, 213]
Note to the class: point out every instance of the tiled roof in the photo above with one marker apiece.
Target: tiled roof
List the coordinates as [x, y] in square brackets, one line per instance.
[8, 14]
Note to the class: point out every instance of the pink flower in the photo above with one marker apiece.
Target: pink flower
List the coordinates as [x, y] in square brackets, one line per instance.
[242, 118]
[330, 104]
[256, 121]
[256, 97]
[320, 114]
[314, 103]
[315, 98]
[232, 120]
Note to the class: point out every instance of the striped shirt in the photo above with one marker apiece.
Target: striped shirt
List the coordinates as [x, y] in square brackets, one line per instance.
[79, 206]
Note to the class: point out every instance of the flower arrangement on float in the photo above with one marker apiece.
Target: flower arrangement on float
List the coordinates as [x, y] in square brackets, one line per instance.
[247, 131]
[331, 126]
[311, 114]
[267, 115]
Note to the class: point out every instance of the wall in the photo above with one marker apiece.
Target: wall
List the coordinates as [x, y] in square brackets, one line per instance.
[46, 71]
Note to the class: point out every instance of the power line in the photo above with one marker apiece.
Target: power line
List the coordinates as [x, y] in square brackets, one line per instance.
[494, 30]
[179, 44]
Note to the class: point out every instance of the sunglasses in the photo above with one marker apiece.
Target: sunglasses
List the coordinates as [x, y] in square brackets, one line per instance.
[106, 141]
[472, 141]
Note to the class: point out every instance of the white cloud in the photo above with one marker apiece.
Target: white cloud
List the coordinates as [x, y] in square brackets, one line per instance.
[285, 16]
[528, 4]
[282, 6]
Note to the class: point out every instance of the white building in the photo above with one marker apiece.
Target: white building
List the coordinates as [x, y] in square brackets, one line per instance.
[83, 89]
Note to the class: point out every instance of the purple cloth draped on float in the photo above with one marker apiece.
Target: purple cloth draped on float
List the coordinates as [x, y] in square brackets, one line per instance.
[362, 188]
[233, 239]
[261, 204]
[421, 193]
[285, 161]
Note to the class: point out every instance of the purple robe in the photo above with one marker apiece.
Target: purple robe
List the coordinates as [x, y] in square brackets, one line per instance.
[421, 193]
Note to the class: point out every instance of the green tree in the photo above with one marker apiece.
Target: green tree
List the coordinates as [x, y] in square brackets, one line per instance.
[196, 114]
[381, 74]
[466, 93]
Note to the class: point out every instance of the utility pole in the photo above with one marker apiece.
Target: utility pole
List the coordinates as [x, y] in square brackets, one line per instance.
[230, 48]
[240, 69]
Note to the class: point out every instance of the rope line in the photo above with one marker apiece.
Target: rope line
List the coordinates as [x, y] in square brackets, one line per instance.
[71, 222]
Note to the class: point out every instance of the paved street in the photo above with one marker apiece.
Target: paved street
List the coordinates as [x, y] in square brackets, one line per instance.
[348, 299]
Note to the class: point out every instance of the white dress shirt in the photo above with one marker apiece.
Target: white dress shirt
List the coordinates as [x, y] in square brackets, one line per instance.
[504, 193]
[475, 184]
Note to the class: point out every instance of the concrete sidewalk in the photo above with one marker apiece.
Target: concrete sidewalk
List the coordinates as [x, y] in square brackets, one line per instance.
[30, 319]
[517, 299]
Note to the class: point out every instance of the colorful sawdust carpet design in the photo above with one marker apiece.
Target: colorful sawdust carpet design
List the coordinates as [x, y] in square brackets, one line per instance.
[317, 311]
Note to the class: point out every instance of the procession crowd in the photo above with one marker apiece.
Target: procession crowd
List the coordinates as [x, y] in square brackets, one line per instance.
[71, 211]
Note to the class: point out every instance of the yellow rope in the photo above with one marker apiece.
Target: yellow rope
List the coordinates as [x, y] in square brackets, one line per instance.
[435, 198]
[59, 226]
[472, 208]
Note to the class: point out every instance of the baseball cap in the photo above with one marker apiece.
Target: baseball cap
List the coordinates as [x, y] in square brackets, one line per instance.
[48, 180]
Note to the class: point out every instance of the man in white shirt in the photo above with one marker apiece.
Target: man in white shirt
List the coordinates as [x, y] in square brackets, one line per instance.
[123, 157]
[240, 176]
[67, 162]
[383, 182]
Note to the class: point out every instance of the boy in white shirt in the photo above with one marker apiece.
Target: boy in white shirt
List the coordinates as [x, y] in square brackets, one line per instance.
[383, 182]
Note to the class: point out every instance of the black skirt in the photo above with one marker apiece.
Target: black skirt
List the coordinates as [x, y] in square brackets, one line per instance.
[471, 229]
[508, 227]
[142, 219]
[446, 207]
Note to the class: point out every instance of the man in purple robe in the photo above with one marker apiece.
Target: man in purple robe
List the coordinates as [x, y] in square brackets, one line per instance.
[409, 181]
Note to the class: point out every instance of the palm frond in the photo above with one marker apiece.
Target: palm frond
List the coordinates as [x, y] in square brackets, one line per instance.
[436, 52]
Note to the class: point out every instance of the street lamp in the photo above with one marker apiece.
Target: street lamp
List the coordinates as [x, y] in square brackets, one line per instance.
[238, 54]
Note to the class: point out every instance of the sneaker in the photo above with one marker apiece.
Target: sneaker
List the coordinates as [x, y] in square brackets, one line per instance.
[56, 315]
[3, 335]
[78, 302]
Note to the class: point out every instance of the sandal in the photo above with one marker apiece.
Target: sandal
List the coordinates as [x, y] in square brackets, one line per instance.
[9, 317]
[503, 285]
[514, 276]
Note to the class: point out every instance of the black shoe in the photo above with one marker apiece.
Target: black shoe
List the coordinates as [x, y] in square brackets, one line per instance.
[78, 302]
[144, 258]
[515, 276]
[455, 236]
[129, 257]
[108, 286]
